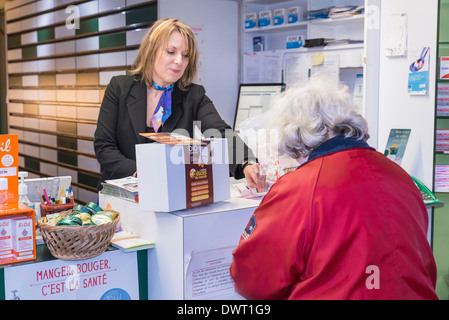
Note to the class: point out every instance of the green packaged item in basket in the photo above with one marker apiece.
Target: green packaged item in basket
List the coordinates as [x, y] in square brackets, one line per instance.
[79, 208]
[101, 219]
[93, 207]
[85, 218]
[70, 220]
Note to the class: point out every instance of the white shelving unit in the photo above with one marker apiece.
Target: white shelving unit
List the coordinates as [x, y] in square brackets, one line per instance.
[275, 62]
[275, 35]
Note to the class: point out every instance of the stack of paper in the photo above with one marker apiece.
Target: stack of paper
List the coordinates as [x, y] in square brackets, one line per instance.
[128, 242]
[335, 12]
[343, 12]
[125, 188]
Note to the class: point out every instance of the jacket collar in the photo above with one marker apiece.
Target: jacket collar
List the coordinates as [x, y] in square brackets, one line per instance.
[335, 144]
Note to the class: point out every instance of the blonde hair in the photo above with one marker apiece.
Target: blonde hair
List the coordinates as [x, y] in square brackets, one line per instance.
[306, 116]
[156, 38]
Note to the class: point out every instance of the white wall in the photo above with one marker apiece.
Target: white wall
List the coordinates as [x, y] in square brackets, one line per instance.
[398, 109]
[216, 23]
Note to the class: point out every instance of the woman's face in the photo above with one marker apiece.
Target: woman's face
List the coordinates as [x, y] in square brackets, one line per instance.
[171, 61]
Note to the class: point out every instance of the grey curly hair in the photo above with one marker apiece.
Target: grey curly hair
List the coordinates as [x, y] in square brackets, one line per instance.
[306, 116]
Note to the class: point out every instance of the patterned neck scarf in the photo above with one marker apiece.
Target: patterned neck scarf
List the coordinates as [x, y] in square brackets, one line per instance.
[163, 109]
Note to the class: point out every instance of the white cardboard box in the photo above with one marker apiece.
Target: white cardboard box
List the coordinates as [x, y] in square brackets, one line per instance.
[161, 170]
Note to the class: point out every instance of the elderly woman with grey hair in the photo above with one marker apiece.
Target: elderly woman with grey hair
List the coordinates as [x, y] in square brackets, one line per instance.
[348, 223]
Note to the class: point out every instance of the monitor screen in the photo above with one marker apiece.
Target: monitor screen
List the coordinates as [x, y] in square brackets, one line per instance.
[254, 99]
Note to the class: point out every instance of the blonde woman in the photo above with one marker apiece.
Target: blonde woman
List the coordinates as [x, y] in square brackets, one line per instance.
[348, 223]
[158, 95]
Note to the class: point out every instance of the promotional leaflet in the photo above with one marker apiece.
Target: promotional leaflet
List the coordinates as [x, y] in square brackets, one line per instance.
[397, 142]
[419, 74]
[198, 171]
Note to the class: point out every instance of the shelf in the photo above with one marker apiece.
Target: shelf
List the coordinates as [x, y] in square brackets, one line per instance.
[359, 18]
[280, 27]
[312, 49]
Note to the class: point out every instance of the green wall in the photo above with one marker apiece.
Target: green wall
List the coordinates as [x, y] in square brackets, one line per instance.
[441, 215]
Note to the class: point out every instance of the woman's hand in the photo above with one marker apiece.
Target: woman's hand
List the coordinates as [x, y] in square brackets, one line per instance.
[251, 173]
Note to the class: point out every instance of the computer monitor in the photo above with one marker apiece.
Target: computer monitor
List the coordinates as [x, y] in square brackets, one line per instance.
[254, 99]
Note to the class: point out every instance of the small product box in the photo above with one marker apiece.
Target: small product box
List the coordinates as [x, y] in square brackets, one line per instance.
[23, 238]
[265, 18]
[442, 111]
[443, 89]
[278, 17]
[250, 20]
[444, 67]
[5, 238]
[442, 145]
[180, 175]
[258, 44]
[442, 134]
[294, 14]
[443, 94]
[294, 42]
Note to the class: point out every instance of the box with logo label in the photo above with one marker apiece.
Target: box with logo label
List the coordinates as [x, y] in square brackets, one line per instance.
[294, 42]
[250, 20]
[265, 18]
[182, 175]
[278, 17]
[23, 238]
[17, 234]
[5, 238]
[294, 14]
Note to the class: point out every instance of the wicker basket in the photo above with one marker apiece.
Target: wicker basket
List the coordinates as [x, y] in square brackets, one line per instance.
[77, 242]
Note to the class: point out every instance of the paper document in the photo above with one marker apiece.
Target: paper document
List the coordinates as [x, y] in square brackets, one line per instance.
[208, 274]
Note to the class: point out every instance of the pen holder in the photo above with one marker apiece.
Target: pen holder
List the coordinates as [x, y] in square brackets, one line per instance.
[55, 208]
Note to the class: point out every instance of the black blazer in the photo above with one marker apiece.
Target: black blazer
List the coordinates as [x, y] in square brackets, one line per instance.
[123, 116]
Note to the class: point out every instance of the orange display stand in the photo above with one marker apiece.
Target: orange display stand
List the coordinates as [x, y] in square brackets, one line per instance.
[14, 211]
[17, 221]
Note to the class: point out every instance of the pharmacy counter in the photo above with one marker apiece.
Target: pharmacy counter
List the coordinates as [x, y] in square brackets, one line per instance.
[113, 275]
[193, 249]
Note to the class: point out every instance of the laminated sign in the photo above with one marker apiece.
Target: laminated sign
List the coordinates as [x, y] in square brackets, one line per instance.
[198, 169]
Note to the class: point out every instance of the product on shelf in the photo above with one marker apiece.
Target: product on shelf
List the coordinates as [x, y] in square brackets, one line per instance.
[265, 18]
[278, 17]
[250, 20]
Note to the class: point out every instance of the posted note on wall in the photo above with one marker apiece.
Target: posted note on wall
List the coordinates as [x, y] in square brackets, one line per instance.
[262, 67]
[328, 65]
[208, 274]
[419, 74]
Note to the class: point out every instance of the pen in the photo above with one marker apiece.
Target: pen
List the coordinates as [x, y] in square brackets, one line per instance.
[40, 194]
[46, 196]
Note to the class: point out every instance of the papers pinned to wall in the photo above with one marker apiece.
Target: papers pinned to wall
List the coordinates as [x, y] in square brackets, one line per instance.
[264, 67]
[328, 65]
[397, 36]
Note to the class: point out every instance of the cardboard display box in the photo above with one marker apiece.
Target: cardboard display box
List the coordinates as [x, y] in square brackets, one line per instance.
[176, 176]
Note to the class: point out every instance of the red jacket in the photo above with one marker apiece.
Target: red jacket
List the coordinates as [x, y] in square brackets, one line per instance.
[346, 225]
